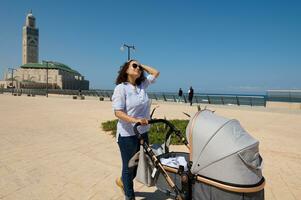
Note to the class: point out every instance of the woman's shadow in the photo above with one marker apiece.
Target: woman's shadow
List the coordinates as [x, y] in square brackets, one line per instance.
[152, 195]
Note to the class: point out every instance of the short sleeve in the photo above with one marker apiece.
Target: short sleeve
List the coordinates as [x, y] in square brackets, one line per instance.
[118, 98]
[149, 80]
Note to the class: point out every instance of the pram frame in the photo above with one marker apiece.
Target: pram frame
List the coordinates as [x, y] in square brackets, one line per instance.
[155, 160]
[221, 185]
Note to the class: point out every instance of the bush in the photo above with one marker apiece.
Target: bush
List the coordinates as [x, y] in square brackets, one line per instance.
[157, 131]
[110, 126]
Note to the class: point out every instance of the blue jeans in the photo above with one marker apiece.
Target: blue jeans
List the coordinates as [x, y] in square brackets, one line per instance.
[129, 146]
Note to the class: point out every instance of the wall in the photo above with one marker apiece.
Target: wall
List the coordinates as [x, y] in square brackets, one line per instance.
[287, 105]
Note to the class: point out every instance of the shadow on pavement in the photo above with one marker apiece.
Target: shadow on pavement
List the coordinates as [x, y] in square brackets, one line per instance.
[152, 195]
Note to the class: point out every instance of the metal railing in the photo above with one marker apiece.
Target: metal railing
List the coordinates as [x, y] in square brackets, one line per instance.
[284, 95]
[257, 100]
[220, 99]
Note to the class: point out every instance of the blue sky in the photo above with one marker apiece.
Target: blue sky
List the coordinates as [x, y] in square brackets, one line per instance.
[233, 46]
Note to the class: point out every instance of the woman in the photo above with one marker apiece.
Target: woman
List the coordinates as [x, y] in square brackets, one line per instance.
[131, 105]
[190, 95]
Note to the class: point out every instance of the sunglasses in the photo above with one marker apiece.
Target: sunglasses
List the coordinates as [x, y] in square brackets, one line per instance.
[135, 66]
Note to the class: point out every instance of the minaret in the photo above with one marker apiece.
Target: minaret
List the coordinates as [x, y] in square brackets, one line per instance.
[30, 52]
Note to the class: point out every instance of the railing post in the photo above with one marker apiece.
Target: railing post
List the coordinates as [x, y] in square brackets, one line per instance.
[164, 97]
[184, 98]
[237, 100]
[174, 98]
[208, 99]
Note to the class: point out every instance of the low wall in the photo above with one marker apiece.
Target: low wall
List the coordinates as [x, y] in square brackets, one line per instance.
[287, 105]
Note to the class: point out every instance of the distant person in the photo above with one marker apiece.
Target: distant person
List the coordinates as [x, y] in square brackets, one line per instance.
[180, 95]
[131, 105]
[190, 95]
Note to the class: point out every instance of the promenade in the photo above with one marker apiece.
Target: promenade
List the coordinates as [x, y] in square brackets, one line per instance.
[54, 148]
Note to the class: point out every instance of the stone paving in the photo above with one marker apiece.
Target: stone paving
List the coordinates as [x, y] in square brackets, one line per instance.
[55, 149]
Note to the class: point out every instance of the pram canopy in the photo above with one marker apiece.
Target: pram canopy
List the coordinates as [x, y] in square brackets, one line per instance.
[222, 150]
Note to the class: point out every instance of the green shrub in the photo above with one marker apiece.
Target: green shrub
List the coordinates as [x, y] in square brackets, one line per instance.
[110, 126]
[157, 132]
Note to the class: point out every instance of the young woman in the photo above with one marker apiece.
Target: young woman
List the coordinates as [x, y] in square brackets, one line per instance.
[131, 105]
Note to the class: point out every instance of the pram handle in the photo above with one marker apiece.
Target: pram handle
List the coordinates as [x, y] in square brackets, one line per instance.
[153, 121]
[168, 123]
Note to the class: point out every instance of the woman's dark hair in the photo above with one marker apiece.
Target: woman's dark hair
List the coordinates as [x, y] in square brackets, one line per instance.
[123, 76]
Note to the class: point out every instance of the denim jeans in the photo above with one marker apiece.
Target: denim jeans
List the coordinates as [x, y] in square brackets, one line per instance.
[129, 146]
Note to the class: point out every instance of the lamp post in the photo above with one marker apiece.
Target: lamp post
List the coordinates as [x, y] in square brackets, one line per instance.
[46, 76]
[129, 49]
[12, 79]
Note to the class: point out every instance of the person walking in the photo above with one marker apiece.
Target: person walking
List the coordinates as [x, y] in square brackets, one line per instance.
[190, 95]
[180, 95]
[131, 104]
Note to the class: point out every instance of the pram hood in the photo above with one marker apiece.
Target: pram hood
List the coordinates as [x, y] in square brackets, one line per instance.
[222, 150]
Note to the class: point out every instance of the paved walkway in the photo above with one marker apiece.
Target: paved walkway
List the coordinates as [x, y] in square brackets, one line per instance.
[54, 149]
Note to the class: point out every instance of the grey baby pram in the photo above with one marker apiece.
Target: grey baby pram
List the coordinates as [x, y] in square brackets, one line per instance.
[223, 162]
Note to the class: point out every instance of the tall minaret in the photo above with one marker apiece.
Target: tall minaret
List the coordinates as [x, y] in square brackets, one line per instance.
[30, 52]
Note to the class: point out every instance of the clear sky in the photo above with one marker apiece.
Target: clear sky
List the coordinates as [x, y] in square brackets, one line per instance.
[226, 46]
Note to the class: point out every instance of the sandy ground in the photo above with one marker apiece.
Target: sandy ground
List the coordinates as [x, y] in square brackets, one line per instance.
[54, 148]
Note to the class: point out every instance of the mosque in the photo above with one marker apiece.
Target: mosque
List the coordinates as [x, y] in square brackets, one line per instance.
[37, 75]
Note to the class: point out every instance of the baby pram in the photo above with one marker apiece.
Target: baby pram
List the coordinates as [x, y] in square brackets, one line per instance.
[223, 161]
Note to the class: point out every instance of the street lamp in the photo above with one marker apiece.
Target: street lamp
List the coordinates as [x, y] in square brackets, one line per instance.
[46, 76]
[12, 79]
[129, 51]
